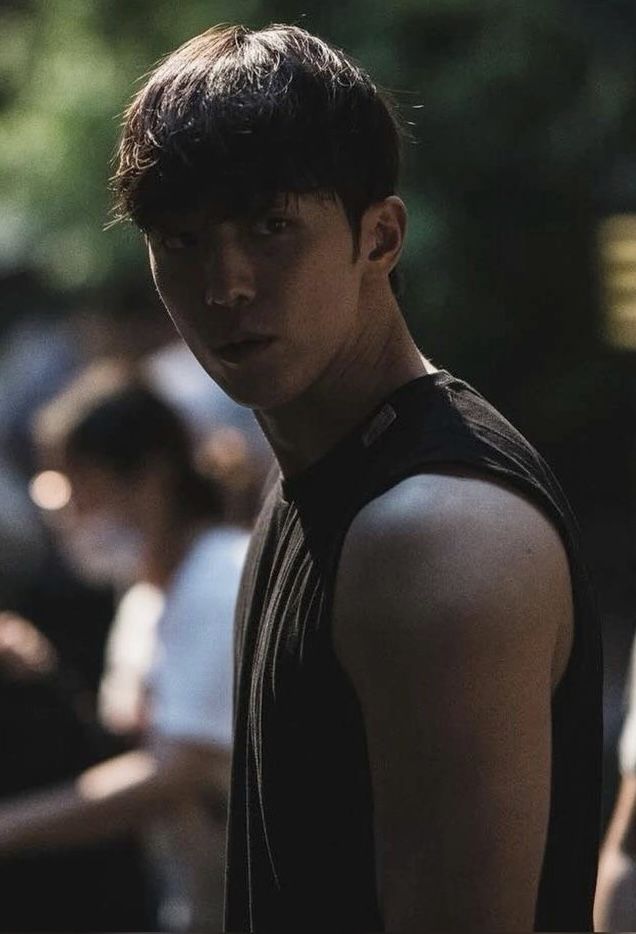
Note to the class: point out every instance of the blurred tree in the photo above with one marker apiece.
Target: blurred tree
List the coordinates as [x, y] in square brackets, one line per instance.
[503, 95]
[67, 68]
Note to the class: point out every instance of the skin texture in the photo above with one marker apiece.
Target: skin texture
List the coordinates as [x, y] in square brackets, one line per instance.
[454, 651]
[453, 611]
[615, 904]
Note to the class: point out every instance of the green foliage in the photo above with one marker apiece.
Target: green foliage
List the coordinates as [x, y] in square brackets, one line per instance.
[495, 92]
[68, 69]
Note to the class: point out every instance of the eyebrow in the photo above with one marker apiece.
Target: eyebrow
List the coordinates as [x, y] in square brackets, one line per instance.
[176, 224]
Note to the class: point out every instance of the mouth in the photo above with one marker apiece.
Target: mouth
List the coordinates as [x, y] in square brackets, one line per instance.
[244, 349]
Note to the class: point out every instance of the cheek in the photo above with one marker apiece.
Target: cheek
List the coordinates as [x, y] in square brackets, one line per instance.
[170, 277]
[326, 273]
[164, 282]
[334, 284]
[174, 293]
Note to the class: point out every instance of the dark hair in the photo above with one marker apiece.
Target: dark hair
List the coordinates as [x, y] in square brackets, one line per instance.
[239, 116]
[116, 422]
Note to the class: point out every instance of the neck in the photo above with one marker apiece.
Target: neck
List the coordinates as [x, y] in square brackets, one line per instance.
[382, 358]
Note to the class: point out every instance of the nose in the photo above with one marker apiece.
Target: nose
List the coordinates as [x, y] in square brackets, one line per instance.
[229, 273]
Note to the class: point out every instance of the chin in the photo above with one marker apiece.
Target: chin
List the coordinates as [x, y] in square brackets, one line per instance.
[262, 395]
[260, 400]
[261, 388]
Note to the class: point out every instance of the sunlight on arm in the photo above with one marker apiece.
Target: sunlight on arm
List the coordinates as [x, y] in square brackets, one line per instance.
[115, 776]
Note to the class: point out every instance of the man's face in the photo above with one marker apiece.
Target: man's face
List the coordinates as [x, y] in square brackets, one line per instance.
[267, 304]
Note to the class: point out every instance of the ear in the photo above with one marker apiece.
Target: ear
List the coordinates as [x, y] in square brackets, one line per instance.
[383, 229]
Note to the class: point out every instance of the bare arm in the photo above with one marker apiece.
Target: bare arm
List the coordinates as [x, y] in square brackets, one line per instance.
[615, 904]
[452, 617]
[118, 795]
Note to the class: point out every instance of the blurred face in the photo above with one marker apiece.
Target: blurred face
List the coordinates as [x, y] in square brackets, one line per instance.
[97, 531]
[267, 304]
[96, 489]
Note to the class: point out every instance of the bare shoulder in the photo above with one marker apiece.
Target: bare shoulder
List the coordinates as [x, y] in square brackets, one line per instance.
[453, 620]
[458, 556]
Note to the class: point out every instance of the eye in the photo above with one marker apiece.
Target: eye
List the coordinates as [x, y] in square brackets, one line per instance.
[270, 226]
[178, 241]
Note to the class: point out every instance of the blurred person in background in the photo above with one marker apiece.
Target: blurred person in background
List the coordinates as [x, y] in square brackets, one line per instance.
[48, 729]
[49, 734]
[418, 729]
[615, 906]
[140, 511]
[227, 437]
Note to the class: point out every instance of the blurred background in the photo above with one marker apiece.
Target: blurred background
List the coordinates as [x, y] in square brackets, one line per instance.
[519, 275]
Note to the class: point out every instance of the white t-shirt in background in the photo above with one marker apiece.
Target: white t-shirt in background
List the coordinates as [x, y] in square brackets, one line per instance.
[190, 681]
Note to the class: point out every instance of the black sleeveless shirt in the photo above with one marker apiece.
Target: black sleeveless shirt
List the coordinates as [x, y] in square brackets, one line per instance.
[300, 844]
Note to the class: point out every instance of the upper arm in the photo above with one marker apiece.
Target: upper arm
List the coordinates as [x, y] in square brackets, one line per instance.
[452, 595]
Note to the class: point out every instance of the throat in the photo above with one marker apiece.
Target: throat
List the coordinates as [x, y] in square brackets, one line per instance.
[305, 429]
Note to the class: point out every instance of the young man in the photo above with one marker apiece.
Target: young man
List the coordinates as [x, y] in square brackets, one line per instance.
[417, 733]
